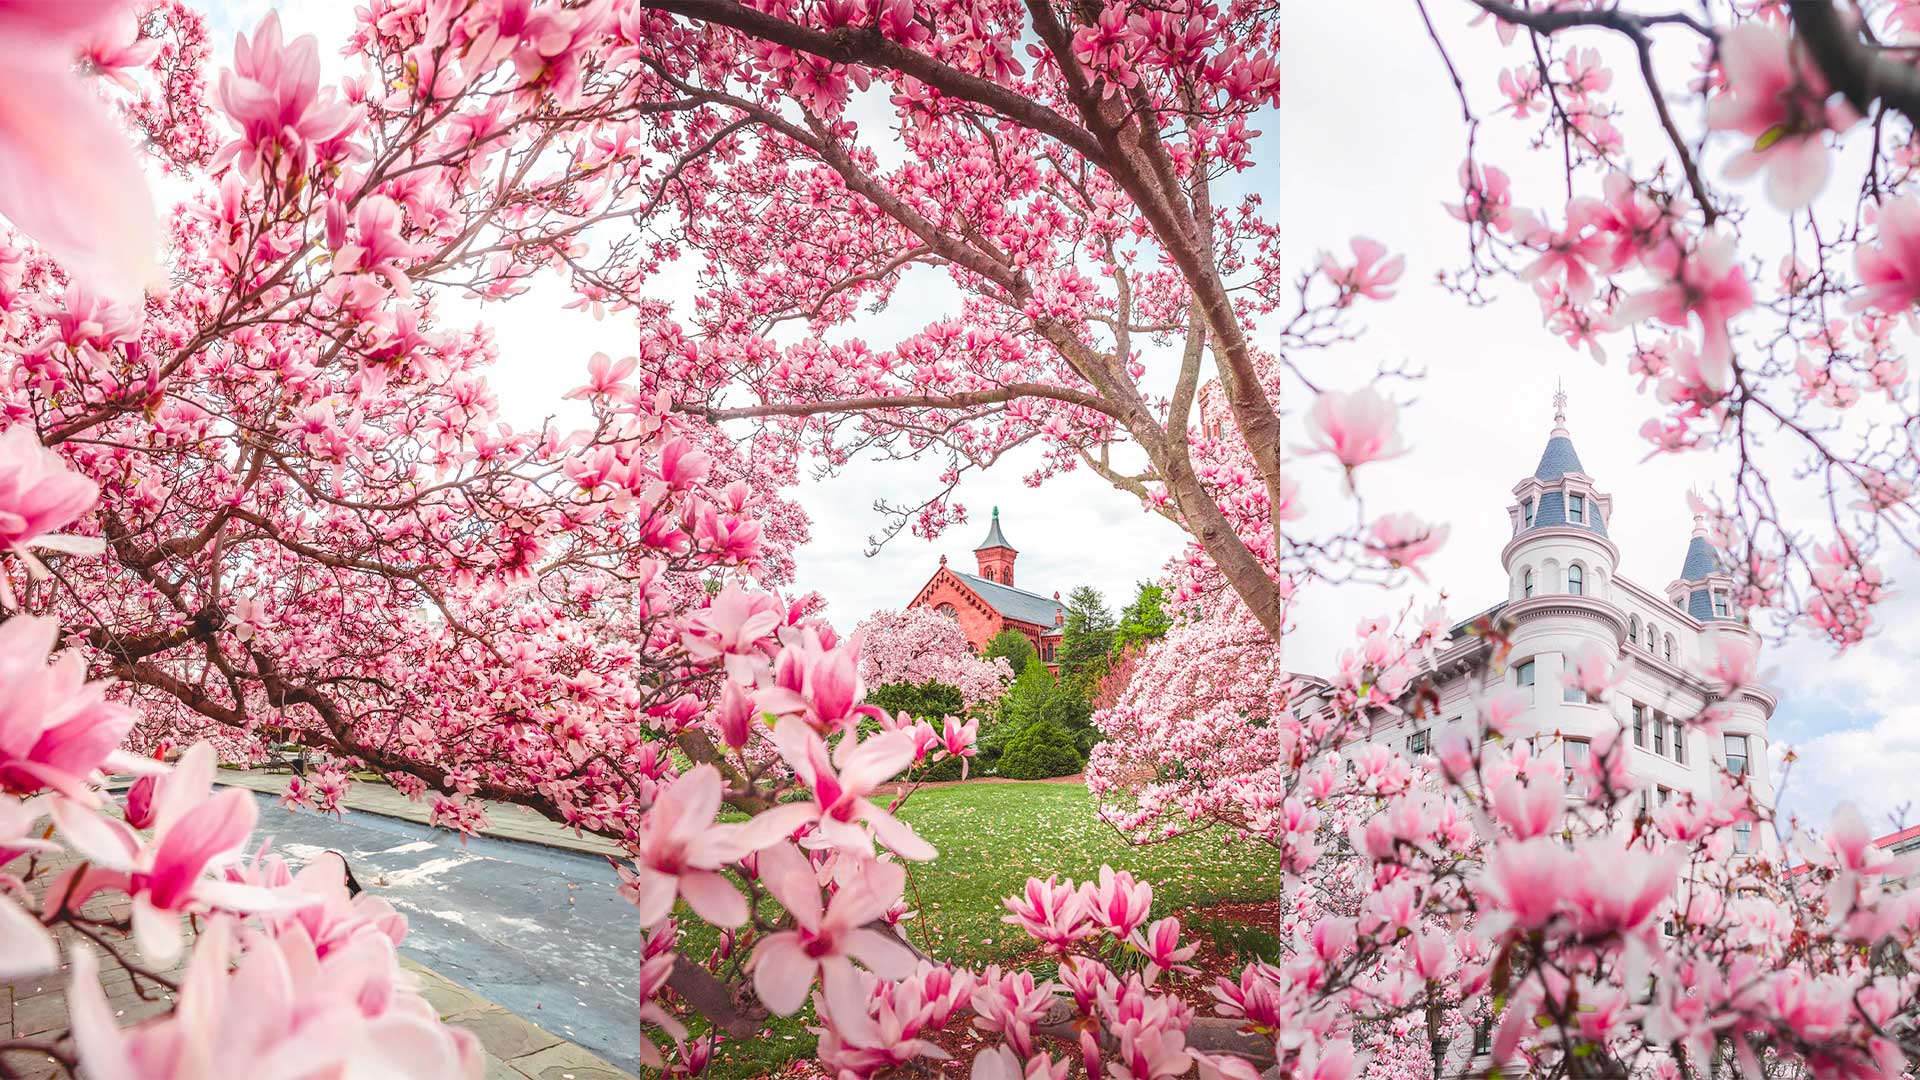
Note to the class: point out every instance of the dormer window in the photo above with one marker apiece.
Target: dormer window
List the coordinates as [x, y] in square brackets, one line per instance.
[1719, 605]
[1576, 580]
[1526, 508]
[1577, 509]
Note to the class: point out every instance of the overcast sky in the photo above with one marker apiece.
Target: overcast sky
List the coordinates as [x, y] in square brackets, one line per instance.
[1372, 140]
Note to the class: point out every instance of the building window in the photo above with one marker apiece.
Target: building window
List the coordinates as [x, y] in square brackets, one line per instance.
[1665, 794]
[1526, 584]
[1679, 742]
[1527, 509]
[948, 611]
[1633, 629]
[1417, 743]
[1572, 694]
[1719, 605]
[1483, 1038]
[1523, 675]
[1576, 752]
[1669, 648]
[1659, 734]
[1737, 755]
[1577, 509]
[1639, 725]
[1576, 580]
[1743, 837]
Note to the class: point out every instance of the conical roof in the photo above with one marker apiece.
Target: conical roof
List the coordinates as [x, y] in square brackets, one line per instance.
[995, 538]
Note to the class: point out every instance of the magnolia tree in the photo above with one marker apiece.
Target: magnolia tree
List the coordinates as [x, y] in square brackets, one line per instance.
[920, 645]
[271, 493]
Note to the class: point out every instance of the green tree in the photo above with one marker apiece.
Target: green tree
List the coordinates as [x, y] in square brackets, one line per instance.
[1143, 620]
[929, 701]
[1043, 749]
[1086, 639]
[1014, 646]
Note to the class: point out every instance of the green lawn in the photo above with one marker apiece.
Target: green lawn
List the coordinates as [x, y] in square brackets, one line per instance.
[991, 838]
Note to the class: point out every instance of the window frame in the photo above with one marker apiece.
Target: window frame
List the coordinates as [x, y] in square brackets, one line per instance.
[1527, 675]
[1745, 756]
[1576, 508]
[1526, 584]
[1526, 513]
[1576, 785]
[1576, 580]
[1639, 725]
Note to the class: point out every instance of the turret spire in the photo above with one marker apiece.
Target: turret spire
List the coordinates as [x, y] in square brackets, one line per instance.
[1559, 409]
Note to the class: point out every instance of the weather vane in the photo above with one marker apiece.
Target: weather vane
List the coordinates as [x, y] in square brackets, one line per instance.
[1559, 404]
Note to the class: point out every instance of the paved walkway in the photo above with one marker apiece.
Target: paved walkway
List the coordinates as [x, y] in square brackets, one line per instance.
[515, 1049]
[507, 822]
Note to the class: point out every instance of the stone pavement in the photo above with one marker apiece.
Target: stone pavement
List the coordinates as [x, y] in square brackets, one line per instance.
[35, 1009]
[505, 821]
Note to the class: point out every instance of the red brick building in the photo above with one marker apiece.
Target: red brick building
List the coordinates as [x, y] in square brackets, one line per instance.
[987, 602]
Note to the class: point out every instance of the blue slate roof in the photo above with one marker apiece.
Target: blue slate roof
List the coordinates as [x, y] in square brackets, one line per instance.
[995, 538]
[1701, 560]
[1552, 510]
[1557, 460]
[1700, 605]
[1014, 603]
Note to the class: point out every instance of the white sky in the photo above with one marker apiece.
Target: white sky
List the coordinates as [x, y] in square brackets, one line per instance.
[1372, 138]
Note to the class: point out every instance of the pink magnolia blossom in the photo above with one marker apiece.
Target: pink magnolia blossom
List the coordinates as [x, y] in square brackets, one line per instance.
[194, 833]
[1890, 271]
[38, 495]
[840, 786]
[72, 182]
[1779, 100]
[56, 728]
[1355, 427]
[273, 96]
[681, 852]
[1404, 540]
[825, 940]
[1370, 275]
[281, 1010]
[1117, 903]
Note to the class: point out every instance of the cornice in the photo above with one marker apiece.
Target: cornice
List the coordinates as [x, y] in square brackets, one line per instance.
[1567, 532]
[1583, 607]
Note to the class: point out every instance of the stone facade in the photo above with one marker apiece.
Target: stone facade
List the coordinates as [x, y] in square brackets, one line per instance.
[987, 602]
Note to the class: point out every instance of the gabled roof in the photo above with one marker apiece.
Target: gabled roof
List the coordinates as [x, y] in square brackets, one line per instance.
[1017, 604]
[995, 538]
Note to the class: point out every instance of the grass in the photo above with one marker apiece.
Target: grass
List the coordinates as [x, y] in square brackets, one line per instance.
[991, 838]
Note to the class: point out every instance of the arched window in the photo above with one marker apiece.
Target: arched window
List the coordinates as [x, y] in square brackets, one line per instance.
[1633, 629]
[1576, 580]
[948, 611]
[1669, 647]
[1526, 583]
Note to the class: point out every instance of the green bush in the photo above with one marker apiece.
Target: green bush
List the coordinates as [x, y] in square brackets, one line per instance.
[1039, 750]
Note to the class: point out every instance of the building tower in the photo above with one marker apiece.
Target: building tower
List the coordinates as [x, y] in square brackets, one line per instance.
[995, 555]
[1704, 589]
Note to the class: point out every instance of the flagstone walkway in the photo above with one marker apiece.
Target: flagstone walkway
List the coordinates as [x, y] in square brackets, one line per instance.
[35, 1007]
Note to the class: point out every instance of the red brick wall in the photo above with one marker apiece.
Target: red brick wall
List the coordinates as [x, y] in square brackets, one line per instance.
[978, 620]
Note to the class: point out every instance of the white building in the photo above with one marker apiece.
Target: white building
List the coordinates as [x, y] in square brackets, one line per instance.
[1565, 596]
